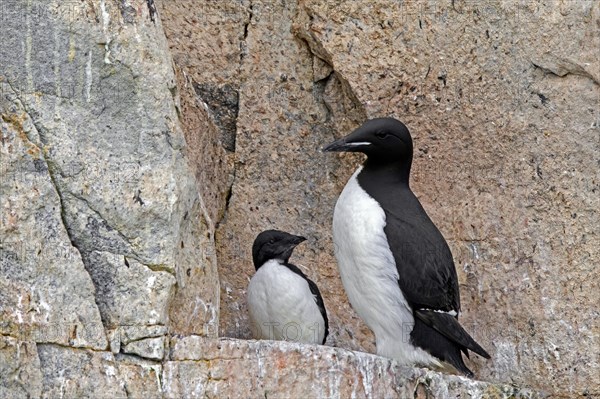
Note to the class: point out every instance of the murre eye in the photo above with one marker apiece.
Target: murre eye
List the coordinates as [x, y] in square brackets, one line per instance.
[381, 134]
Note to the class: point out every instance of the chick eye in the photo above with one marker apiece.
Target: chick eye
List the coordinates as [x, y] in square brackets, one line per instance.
[272, 241]
[381, 135]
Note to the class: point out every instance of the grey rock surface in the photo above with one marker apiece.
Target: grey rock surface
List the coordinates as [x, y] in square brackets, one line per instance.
[148, 348]
[142, 377]
[75, 373]
[101, 216]
[19, 368]
[46, 294]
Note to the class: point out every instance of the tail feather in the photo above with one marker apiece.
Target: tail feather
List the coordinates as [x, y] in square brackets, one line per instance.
[442, 336]
[439, 346]
[448, 326]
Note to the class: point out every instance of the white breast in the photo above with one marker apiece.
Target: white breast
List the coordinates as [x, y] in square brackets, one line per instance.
[282, 307]
[369, 273]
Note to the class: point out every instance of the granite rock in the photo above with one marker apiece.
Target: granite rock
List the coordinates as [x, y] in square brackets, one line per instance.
[101, 215]
[73, 373]
[46, 294]
[19, 368]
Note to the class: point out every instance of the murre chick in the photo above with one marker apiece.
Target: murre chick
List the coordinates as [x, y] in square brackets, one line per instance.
[283, 303]
[395, 265]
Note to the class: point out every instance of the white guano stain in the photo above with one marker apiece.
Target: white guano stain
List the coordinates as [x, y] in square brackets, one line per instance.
[105, 25]
[198, 303]
[62, 386]
[88, 77]
[151, 282]
[475, 251]
[213, 321]
[366, 372]
[44, 304]
[110, 371]
[259, 362]
[157, 369]
[57, 65]
[105, 16]
[28, 46]
[334, 379]
[154, 317]
[17, 312]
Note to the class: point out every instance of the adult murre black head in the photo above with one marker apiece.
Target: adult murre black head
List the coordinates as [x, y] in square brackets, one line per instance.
[274, 244]
[385, 141]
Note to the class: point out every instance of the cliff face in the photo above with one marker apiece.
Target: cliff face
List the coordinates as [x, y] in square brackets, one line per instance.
[135, 163]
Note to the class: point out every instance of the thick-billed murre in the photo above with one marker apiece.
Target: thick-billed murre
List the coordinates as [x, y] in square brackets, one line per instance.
[396, 266]
[283, 303]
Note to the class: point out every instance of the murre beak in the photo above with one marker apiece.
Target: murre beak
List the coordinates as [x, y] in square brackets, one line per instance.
[293, 241]
[357, 141]
[345, 145]
[286, 246]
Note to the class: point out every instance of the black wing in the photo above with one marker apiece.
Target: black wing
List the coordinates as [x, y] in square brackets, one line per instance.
[317, 294]
[427, 274]
[428, 277]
